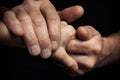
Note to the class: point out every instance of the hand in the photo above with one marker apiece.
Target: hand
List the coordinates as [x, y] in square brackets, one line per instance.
[11, 40]
[36, 18]
[39, 33]
[89, 50]
[66, 60]
[68, 33]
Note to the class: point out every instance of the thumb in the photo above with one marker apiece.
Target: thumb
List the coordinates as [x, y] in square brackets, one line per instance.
[86, 32]
[71, 14]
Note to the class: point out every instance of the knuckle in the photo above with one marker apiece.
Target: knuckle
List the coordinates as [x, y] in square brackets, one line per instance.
[44, 41]
[54, 34]
[25, 18]
[71, 45]
[71, 65]
[91, 65]
[31, 39]
[97, 50]
[53, 17]
[44, 38]
[38, 21]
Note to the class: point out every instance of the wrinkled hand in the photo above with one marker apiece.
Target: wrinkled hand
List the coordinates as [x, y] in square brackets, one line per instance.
[39, 24]
[75, 13]
[68, 14]
[88, 50]
[60, 55]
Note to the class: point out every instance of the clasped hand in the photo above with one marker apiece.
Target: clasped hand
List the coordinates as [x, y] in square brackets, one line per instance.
[39, 25]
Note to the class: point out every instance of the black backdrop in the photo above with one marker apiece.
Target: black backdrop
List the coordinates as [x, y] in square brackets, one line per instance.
[102, 14]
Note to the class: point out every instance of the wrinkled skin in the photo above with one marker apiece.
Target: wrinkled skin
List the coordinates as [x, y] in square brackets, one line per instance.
[38, 23]
[90, 50]
[60, 55]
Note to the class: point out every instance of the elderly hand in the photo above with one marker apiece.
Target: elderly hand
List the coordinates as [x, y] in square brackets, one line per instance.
[90, 50]
[37, 21]
[68, 33]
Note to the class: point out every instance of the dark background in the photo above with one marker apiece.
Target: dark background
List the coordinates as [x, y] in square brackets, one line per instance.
[102, 14]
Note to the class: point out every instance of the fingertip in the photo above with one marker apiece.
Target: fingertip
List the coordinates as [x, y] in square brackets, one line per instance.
[82, 33]
[72, 13]
[74, 65]
[81, 30]
[45, 53]
[34, 50]
[79, 10]
[71, 64]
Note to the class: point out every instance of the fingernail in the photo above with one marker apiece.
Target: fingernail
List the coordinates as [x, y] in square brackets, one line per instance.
[17, 29]
[46, 53]
[35, 50]
[54, 45]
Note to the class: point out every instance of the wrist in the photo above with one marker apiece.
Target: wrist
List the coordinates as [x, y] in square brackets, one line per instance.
[109, 53]
[105, 52]
[106, 46]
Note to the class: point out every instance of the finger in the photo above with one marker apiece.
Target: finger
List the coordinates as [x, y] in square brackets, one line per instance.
[29, 37]
[13, 23]
[77, 46]
[67, 32]
[86, 32]
[86, 63]
[92, 46]
[41, 30]
[61, 56]
[8, 39]
[71, 14]
[53, 22]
